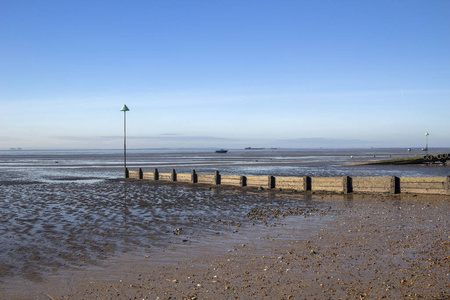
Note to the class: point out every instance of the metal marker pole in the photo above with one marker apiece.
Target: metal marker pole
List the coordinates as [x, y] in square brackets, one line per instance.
[125, 140]
[125, 109]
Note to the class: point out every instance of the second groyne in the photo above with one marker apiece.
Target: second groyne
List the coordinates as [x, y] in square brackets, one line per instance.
[340, 185]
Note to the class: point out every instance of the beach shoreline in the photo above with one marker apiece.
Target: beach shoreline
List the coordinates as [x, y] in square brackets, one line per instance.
[337, 246]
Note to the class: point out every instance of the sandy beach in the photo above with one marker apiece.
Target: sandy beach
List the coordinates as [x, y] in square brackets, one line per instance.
[271, 245]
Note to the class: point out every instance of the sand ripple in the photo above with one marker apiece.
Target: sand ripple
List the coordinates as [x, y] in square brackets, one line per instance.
[47, 226]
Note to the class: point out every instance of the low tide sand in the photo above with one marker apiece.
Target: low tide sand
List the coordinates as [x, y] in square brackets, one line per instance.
[317, 246]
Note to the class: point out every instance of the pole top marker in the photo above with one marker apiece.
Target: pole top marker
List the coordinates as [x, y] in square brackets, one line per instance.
[124, 108]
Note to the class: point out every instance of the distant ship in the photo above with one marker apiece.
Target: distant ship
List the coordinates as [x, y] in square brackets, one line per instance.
[424, 149]
[250, 148]
[221, 151]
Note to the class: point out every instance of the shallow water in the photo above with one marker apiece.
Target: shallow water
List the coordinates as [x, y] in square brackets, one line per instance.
[46, 226]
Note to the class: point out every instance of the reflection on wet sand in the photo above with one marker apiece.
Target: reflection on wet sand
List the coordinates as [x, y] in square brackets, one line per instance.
[50, 226]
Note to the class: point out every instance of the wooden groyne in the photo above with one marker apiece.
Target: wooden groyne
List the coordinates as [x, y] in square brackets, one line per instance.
[341, 185]
[427, 159]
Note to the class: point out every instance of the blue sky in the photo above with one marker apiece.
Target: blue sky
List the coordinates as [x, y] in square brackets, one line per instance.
[225, 74]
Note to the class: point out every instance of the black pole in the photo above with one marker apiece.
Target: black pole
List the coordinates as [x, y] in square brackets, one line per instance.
[125, 141]
[125, 109]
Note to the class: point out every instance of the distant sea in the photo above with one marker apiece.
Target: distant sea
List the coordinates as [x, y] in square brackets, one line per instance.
[94, 165]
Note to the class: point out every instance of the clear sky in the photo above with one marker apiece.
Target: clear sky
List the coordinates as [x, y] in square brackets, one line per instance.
[225, 74]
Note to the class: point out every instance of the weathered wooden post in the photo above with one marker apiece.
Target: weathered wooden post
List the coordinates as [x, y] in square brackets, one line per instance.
[242, 180]
[306, 183]
[173, 175]
[193, 177]
[447, 181]
[216, 177]
[270, 182]
[127, 174]
[156, 174]
[394, 185]
[140, 174]
[347, 184]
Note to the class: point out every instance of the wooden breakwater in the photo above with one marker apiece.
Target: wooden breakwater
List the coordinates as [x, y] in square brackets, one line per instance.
[427, 159]
[341, 185]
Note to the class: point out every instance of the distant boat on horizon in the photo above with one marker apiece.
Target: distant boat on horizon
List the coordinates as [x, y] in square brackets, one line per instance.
[251, 148]
[222, 151]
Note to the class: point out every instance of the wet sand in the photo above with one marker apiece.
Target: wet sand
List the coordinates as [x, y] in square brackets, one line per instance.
[223, 243]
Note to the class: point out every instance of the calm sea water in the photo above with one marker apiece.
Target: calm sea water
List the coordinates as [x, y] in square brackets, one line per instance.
[93, 165]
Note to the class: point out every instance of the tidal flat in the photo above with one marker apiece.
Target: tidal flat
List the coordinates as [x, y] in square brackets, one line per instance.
[70, 230]
[117, 239]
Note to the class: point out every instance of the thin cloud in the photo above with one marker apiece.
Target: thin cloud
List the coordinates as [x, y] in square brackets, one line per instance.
[162, 137]
[323, 142]
[8, 138]
[182, 138]
[87, 138]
